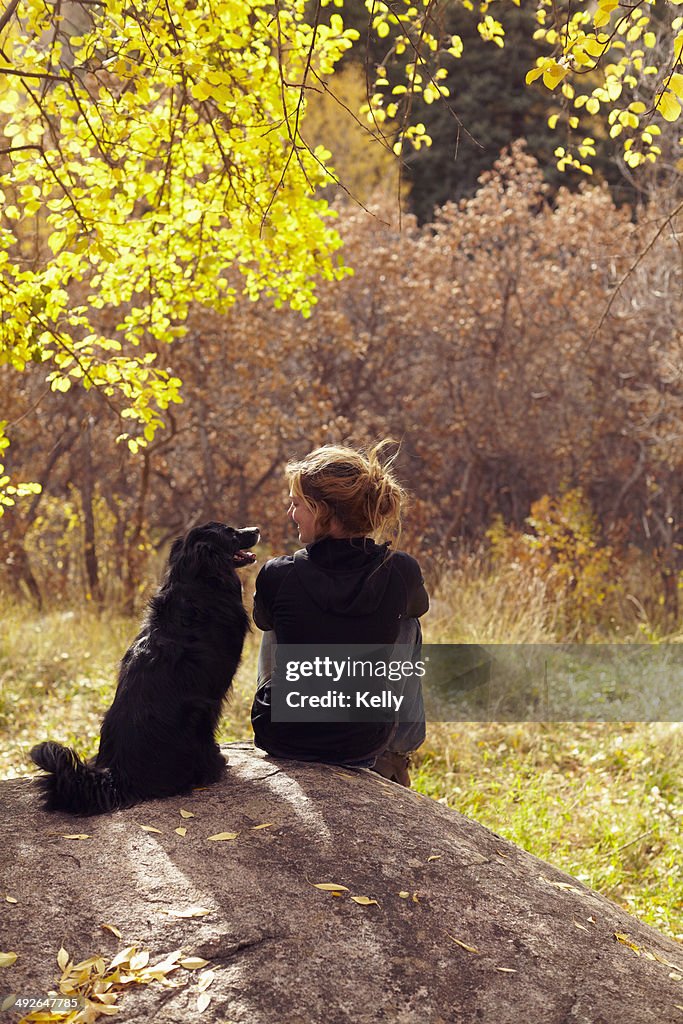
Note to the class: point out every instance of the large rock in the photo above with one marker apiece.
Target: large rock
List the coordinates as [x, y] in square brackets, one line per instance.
[465, 928]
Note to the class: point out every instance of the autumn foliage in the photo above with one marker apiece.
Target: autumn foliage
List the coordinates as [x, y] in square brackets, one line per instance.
[483, 342]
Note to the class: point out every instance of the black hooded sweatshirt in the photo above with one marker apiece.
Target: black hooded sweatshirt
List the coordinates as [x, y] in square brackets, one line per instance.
[348, 591]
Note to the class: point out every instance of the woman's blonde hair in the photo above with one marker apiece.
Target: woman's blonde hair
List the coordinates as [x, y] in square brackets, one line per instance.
[357, 488]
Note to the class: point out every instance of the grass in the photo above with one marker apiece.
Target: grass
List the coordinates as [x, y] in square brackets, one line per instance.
[603, 802]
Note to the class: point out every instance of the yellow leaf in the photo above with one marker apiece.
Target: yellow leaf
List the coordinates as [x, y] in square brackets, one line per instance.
[330, 887]
[553, 75]
[11, 899]
[506, 970]
[186, 814]
[122, 957]
[7, 959]
[203, 1001]
[205, 979]
[668, 106]
[193, 963]
[626, 940]
[139, 960]
[434, 856]
[592, 47]
[364, 901]
[266, 824]
[111, 928]
[404, 895]
[532, 75]
[676, 84]
[151, 828]
[223, 835]
[188, 912]
[458, 942]
[62, 958]
[77, 835]
[180, 831]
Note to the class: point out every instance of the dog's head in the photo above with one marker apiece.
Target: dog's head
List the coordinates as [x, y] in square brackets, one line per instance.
[213, 549]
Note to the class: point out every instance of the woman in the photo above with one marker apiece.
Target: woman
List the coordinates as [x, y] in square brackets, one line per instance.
[343, 587]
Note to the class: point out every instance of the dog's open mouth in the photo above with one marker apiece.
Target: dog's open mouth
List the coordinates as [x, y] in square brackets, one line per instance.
[243, 558]
[249, 536]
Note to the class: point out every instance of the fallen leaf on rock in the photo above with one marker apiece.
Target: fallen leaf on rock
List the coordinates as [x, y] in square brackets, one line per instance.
[330, 887]
[107, 998]
[581, 926]
[193, 963]
[667, 963]
[204, 980]
[506, 970]
[122, 957]
[186, 814]
[151, 828]
[181, 831]
[404, 895]
[364, 901]
[266, 824]
[139, 960]
[62, 958]
[7, 959]
[459, 942]
[11, 899]
[675, 976]
[566, 886]
[111, 928]
[223, 835]
[188, 912]
[8, 1001]
[203, 1001]
[77, 835]
[435, 856]
[626, 940]
[159, 970]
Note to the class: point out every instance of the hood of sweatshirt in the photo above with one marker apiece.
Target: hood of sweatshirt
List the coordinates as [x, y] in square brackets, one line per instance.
[345, 577]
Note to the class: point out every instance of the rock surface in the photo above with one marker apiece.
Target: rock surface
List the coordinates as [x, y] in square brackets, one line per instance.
[466, 927]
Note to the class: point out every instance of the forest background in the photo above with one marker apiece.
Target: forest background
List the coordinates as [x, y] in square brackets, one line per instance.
[517, 330]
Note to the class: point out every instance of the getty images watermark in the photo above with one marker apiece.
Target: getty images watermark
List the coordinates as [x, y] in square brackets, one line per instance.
[471, 682]
[350, 676]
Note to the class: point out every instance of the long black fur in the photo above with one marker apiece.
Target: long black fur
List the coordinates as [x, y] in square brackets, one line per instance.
[157, 738]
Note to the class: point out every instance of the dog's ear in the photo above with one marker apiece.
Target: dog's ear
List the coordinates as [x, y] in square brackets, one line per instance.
[176, 548]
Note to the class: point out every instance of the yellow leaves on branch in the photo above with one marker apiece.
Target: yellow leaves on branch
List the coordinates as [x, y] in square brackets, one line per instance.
[164, 166]
[620, 47]
[615, 42]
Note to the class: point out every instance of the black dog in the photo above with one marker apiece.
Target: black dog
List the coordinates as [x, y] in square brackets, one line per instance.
[157, 738]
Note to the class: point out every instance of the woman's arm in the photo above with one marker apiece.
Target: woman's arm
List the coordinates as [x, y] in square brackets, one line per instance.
[262, 612]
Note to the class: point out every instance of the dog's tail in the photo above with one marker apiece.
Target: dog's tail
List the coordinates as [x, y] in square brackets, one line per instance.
[73, 785]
